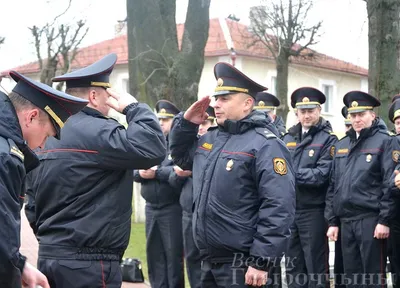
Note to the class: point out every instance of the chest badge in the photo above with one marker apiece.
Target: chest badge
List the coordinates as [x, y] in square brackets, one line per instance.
[229, 165]
[368, 158]
[311, 153]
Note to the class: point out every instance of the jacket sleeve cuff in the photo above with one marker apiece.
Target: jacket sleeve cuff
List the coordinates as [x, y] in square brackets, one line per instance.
[20, 262]
[187, 124]
[383, 221]
[263, 264]
[129, 107]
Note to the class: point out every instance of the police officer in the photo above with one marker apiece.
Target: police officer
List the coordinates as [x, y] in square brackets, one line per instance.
[267, 103]
[243, 183]
[83, 188]
[192, 254]
[346, 116]
[359, 189]
[310, 143]
[394, 236]
[31, 113]
[164, 246]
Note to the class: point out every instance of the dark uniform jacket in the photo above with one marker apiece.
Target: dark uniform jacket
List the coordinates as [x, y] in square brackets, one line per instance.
[312, 161]
[361, 171]
[84, 184]
[158, 192]
[16, 159]
[243, 181]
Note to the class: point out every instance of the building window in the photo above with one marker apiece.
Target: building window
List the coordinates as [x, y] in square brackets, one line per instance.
[272, 88]
[328, 91]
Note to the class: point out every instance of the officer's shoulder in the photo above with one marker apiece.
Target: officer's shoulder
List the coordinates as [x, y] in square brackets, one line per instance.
[386, 133]
[267, 134]
[8, 147]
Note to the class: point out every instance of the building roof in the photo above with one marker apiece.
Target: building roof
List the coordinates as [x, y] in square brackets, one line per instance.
[217, 45]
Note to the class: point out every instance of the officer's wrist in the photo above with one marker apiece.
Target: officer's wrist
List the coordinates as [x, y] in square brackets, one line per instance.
[129, 107]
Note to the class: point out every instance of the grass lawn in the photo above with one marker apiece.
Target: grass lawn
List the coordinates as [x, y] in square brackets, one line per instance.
[137, 248]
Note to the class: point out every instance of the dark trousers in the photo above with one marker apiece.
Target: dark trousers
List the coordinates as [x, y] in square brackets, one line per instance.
[164, 247]
[307, 258]
[81, 273]
[364, 256]
[192, 254]
[394, 252]
[338, 268]
[220, 275]
[275, 277]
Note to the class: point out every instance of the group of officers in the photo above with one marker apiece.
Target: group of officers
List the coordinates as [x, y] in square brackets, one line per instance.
[227, 188]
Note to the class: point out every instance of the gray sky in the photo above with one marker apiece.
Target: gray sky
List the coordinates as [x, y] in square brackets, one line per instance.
[345, 24]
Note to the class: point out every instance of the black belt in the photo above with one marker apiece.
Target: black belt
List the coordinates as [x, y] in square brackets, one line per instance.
[83, 253]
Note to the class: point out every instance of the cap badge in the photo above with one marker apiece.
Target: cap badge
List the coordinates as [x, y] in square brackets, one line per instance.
[354, 104]
[261, 103]
[220, 82]
[163, 110]
[229, 165]
[306, 100]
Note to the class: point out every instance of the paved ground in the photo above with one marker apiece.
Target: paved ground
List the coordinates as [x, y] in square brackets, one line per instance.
[29, 247]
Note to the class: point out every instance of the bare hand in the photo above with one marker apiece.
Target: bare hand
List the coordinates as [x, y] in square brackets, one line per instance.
[381, 231]
[119, 101]
[333, 233]
[256, 277]
[397, 178]
[196, 113]
[182, 173]
[148, 174]
[31, 277]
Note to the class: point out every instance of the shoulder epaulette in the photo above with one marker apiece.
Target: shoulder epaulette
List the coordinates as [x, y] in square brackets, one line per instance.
[266, 133]
[14, 150]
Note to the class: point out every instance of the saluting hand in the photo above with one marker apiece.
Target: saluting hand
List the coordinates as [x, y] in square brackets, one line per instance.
[381, 231]
[256, 277]
[397, 178]
[333, 233]
[182, 173]
[196, 113]
[118, 101]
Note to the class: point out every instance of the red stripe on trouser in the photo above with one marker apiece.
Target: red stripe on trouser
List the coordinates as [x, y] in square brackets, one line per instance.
[102, 274]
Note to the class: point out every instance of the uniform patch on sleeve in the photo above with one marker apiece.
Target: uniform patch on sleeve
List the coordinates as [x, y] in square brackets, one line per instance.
[15, 151]
[395, 155]
[207, 146]
[332, 151]
[280, 166]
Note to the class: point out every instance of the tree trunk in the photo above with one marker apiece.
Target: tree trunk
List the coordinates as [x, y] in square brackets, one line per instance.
[190, 62]
[282, 74]
[157, 69]
[384, 52]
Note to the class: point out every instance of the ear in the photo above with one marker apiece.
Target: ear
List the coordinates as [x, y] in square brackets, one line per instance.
[31, 115]
[249, 102]
[93, 98]
[373, 114]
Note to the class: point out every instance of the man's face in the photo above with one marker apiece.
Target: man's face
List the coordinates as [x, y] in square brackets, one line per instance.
[308, 117]
[36, 127]
[362, 120]
[232, 107]
[397, 125]
[204, 127]
[165, 124]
